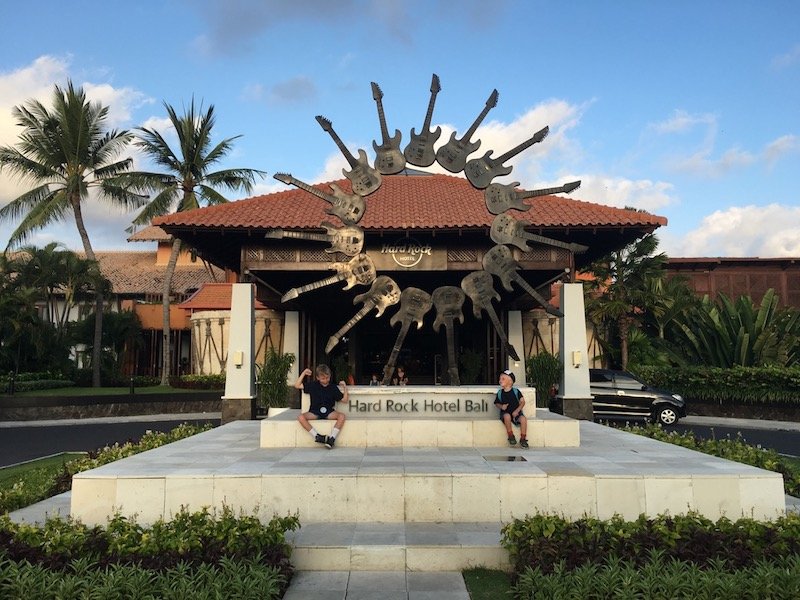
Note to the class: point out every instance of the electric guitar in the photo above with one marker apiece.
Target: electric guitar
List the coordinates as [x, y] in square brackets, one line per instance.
[364, 178]
[348, 240]
[481, 171]
[508, 230]
[453, 155]
[388, 160]
[348, 207]
[359, 270]
[383, 293]
[501, 197]
[420, 151]
[480, 289]
[448, 300]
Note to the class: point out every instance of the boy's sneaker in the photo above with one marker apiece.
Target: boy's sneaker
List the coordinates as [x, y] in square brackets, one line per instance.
[330, 441]
[512, 441]
[523, 443]
[321, 439]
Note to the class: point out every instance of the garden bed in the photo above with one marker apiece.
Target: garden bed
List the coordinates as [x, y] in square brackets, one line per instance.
[767, 412]
[34, 408]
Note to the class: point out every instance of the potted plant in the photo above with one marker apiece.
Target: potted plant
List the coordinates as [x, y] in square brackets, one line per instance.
[273, 391]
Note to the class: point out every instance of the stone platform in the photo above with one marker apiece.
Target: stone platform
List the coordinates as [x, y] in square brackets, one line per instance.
[390, 496]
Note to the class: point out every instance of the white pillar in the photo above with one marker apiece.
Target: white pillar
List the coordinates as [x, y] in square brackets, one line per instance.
[515, 339]
[240, 385]
[291, 343]
[574, 389]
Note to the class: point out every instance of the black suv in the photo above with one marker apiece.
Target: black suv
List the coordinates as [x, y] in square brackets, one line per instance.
[618, 394]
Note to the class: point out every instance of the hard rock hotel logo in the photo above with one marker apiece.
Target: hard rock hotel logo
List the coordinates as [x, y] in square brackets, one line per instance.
[407, 253]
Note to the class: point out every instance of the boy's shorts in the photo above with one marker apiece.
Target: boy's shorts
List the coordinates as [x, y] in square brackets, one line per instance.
[514, 420]
[322, 412]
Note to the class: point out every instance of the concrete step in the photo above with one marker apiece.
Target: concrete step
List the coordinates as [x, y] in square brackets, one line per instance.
[545, 430]
[424, 547]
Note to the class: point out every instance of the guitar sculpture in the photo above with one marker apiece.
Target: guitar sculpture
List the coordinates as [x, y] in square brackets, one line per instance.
[453, 155]
[363, 178]
[420, 151]
[498, 261]
[480, 289]
[348, 207]
[448, 301]
[383, 293]
[359, 270]
[348, 240]
[414, 304]
[388, 160]
[508, 230]
[501, 197]
[481, 171]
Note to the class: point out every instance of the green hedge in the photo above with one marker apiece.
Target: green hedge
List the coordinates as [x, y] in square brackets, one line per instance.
[199, 382]
[548, 542]
[663, 578]
[188, 542]
[743, 385]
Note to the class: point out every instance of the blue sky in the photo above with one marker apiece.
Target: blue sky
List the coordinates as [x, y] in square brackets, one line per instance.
[687, 109]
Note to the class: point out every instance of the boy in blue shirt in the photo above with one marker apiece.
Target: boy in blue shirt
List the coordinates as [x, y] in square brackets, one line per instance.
[324, 397]
[510, 402]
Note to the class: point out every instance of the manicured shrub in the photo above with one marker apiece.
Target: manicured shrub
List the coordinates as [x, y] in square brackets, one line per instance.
[199, 382]
[548, 542]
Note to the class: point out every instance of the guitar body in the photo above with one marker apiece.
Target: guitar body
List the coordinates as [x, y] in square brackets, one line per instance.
[388, 158]
[480, 289]
[348, 207]
[347, 240]
[481, 171]
[363, 178]
[501, 197]
[453, 155]
[499, 262]
[508, 230]
[420, 150]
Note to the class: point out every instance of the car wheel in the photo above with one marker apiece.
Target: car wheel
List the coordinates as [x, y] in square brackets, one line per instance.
[666, 415]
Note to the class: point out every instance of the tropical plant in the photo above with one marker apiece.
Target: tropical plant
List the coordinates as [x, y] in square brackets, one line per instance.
[272, 388]
[186, 182]
[726, 333]
[619, 291]
[67, 154]
[543, 371]
[122, 332]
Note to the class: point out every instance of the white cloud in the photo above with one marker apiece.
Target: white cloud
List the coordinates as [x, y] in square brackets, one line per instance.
[704, 165]
[652, 196]
[769, 231]
[682, 121]
[786, 60]
[780, 147]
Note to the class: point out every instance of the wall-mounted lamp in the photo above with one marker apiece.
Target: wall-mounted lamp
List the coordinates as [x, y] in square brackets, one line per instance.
[238, 359]
[576, 358]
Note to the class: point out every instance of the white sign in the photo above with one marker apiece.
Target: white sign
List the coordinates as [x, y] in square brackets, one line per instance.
[407, 253]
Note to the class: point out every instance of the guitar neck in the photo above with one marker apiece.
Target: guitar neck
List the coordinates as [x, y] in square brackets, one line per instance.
[549, 308]
[398, 344]
[429, 115]
[312, 190]
[306, 235]
[350, 158]
[489, 106]
[542, 192]
[537, 137]
[321, 283]
[382, 119]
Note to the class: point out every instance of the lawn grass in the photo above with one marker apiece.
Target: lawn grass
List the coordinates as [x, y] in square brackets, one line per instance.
[107, 391]
[487, 584]
[8, 475]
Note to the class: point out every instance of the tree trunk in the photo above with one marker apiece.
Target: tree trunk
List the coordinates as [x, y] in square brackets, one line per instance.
[166, 354]
[624, 327]
[97, 347]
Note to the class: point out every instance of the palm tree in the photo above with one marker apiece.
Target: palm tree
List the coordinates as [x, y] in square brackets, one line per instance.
[186, 183]
[619, 290]
[66, 153]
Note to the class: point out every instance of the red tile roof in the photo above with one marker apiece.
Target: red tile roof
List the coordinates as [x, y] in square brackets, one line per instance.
[151, 234]
[213, 296]
[406, 201]
[137, 273]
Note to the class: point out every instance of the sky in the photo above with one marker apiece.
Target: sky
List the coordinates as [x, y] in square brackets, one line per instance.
[689, 110]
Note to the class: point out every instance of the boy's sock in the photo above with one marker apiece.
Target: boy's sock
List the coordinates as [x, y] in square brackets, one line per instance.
[313, 433]
[335, 432]
[523, 436]
[509, 432]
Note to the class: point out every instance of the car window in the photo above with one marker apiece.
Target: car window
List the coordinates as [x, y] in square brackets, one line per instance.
[624, 381]
[600, 377]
